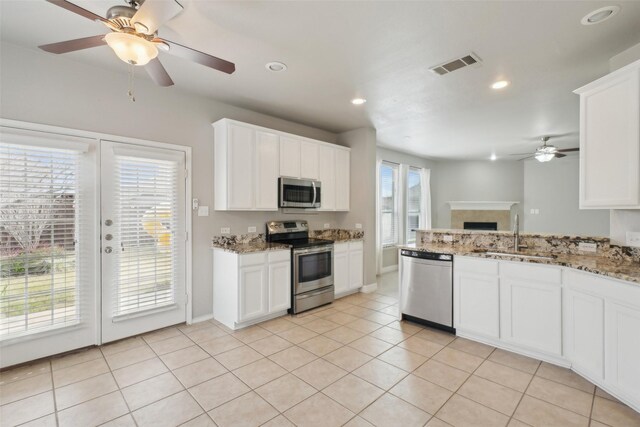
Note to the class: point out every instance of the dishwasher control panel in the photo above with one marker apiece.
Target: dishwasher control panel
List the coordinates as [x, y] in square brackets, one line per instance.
[426, 255]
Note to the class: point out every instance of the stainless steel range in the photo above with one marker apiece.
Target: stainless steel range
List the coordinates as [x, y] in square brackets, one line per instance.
[311, 264]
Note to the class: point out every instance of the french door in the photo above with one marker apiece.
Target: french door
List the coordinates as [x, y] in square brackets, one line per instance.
[143, 239]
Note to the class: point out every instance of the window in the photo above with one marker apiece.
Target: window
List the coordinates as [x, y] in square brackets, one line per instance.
[389, 203]
[414, 202]
[39, 248]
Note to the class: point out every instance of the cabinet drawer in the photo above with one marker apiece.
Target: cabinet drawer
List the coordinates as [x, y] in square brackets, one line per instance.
[476, 265]
[252, 259]
[340, 248]
[526, 271]
[275, 256]
[355, 246]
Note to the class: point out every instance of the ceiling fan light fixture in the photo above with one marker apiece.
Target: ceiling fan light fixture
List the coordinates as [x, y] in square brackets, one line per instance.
[131, 48]
[140, 27]
[358, 101]
[544, 157]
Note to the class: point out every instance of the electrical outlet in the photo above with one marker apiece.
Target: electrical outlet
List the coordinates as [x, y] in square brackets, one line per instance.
[447, 238]
[537, 211]
[225, 230]
[633, 238]
[587, 247]
[532, 212]
[251, 230]
[358, 226]
[327, 225]
[203, 210]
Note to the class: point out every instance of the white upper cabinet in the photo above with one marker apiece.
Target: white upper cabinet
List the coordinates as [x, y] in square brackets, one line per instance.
[249, 159]
[610, 140]
[342, 177]
[327, 177]
[290, 156]
[245, 167]
[308, 160]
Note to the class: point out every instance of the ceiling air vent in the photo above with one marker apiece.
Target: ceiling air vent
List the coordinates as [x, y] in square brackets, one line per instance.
[456, 64]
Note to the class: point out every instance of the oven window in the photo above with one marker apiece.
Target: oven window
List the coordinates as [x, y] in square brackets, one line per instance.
[314, 267]
[298, 194]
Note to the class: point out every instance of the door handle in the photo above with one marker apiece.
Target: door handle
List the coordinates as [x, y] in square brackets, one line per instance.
[314, 193]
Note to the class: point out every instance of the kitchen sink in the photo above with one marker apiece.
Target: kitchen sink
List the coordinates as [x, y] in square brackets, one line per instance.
[519, 255]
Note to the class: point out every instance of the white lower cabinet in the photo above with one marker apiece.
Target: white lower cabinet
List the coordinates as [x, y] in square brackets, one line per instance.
[348, 267]
[248, 288]
[622, 349]
[476, 299]
[531, 306]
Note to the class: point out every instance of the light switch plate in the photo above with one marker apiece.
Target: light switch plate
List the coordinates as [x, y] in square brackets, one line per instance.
[633, 238]
[327, 225]
[225, 230]
[251, 230]
[448, 238]
[358, 226]
[203, 210]
[587, 247]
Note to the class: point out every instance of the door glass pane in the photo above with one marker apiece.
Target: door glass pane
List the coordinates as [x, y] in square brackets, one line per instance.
[39, 206]
[146, 224]
[388, 203]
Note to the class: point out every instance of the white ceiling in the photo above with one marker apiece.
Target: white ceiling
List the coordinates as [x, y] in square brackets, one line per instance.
[337, 50]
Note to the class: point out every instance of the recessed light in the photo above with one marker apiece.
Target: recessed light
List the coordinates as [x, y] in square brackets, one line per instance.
[600, 15]
[500, 84]
[493, 157]
[358, 101]
[275, 66]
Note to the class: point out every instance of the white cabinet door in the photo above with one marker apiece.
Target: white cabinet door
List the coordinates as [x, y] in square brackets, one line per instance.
[240, 159]
[477, 303]
[622, 349]
[584, 329]
[341, 267]
[531, 314]
[327, 177]
[356, 270]
[343, 180]
[267, 169]
[290, 157]
[279, 286]
[308, 160]
[610, 141]
[254, 292]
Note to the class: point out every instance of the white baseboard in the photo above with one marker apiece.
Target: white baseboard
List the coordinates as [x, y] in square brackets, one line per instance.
[367, 289]
[201, 318]
[389, 269]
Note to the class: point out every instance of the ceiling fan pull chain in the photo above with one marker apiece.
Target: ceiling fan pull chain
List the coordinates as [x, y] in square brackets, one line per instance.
[132, 97]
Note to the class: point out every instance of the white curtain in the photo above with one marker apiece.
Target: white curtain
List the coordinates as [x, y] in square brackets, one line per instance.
[425, 220]
[378, 234]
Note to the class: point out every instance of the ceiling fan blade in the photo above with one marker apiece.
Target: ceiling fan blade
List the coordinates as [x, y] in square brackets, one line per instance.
[153, 14]
[73, 45]
[158, 73]
[559, 155]
[199, 57]
[568, 150]
[77, 9]
[520, 154]
[525, 158]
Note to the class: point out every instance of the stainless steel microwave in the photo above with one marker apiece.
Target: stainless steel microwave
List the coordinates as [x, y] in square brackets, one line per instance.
[299, 193]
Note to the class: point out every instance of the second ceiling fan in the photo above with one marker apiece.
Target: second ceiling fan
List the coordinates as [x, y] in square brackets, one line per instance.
[546, 152]
[134, 37]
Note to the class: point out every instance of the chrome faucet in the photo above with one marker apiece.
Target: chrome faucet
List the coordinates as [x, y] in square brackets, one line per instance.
[516, 235]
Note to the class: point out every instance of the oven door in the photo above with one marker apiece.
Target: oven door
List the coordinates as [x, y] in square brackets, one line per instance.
[312, 268]
[299, 193]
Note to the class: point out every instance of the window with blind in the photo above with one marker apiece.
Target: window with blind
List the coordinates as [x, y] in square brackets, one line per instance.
[414, 202]
[146, 194]
[40, 203]
[389, 203]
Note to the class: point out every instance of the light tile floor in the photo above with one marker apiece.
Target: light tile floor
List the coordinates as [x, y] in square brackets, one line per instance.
[350, 363]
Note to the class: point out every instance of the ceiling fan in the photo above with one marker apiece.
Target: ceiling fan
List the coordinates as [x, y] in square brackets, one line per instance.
[546, 152]
[134, 37]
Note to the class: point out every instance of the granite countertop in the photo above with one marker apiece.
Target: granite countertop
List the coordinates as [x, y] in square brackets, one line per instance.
[245, 248]
[617, 269]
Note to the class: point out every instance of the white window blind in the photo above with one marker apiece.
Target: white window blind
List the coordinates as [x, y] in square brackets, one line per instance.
[40, 205]
[414, 202]
[389, 203]
[146, 224]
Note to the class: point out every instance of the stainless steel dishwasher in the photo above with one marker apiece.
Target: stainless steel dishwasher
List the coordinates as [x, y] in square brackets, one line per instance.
[426, 288]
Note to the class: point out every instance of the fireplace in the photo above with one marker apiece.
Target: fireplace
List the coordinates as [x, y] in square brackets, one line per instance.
[469, 225]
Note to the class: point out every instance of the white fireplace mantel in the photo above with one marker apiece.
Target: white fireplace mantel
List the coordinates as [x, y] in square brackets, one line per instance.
[481, 206]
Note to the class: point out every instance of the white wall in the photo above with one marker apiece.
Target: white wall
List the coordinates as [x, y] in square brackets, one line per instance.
[50, 89]
[474, 181]
[363, 193]
[553, 188]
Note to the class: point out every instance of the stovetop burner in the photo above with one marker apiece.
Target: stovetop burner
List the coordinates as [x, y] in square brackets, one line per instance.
[294, 233]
